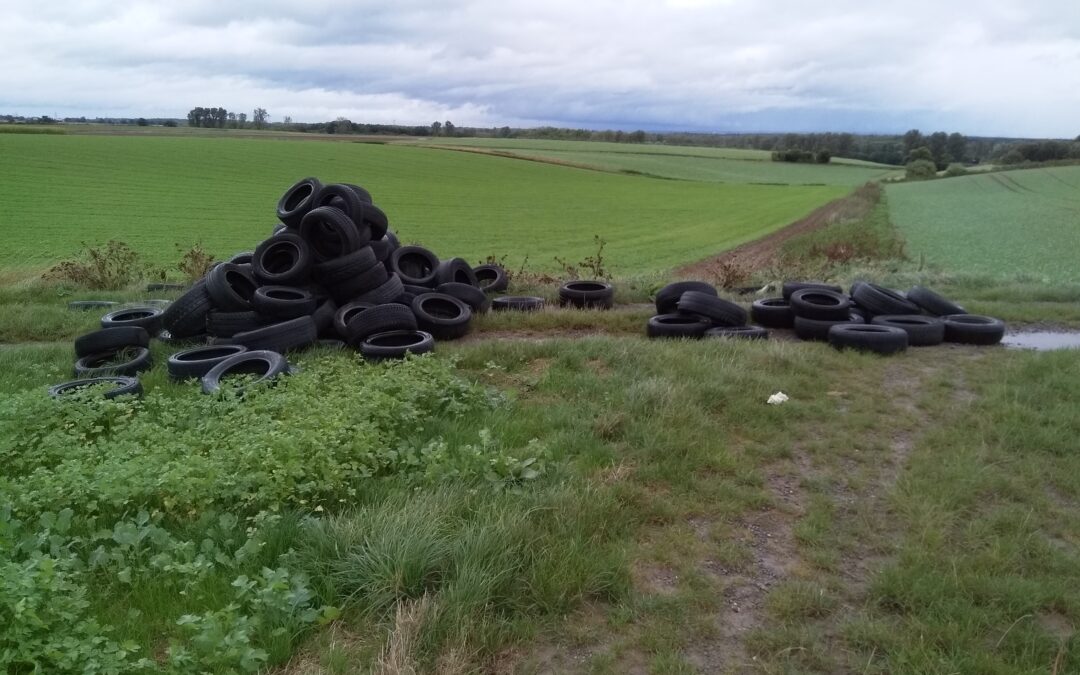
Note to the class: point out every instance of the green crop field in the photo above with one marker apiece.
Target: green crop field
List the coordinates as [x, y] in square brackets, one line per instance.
[717, 165]
[157, 193]
[1024, 223]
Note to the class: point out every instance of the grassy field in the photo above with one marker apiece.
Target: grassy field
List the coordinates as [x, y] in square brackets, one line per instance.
[157, 193]
[717, 165]
[1008, 224]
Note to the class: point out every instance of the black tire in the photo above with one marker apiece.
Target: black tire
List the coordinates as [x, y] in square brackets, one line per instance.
[790, 287]
[345, 313]
[815, 329]
[297, 201]
[932, 303]
[772, 313]
[111, 339]
[455, 270]
[472, 296]
[323, 316]
[122, 386]
[331, 233]
[186, 316]
[360, 192]
[196, 339]
[587, 294]
[738, 332]
[345, 199]
[922, 331]
[280, 337]
[519, 303]
[491, 278]
[279, 228]
[264, 363]
[677, 326]
[345, 290]
[242, 258]
[415, 265]
[147, 318]
[107, 363]
[231, 286]
[150, 288]
[228, 324]
[198, 361]
[444, 316]
[338, 270]
[376, 221]
[868, 338]
[283, 302]
[378, 319]
[283, 260]
[819, 303]
[667, 298]
[396, 344]
[880, 300]
[386, 293]
[717, 310]
[973, 329]
[383, 248]
[86, 305]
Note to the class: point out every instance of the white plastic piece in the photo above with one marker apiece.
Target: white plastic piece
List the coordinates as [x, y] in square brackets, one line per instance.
[777, 398]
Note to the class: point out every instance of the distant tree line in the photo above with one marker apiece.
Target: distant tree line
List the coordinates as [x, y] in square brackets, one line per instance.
[802, 156]
[1042, 151]
[220, 118]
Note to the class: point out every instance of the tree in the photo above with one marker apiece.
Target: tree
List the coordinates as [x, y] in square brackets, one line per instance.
[448, 127]
[260, 117]
[241, 119]
[142, 122]
[912, 139]
[939, 147]
[921, 153]
[341, 126]
[232, 120]
[169, 123]
[435, 128]
[921, 169]
[287, 121]
[956, 147]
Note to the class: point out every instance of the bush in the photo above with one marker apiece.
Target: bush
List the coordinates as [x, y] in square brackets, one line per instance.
[955, 170]
[109, 268]
[921, 169]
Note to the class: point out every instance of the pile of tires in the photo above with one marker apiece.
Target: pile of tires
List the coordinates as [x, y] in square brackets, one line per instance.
[694, 310]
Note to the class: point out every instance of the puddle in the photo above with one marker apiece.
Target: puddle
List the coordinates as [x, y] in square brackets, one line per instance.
[1043, 340]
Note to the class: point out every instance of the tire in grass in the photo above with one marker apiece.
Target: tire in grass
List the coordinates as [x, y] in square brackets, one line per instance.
[283, 302]
[280, 337]
[518, 303]
[111, 339]
[587, 294]
[738, 332]
[772, 313]
[124, 361]
[718, 311]
[973, 329]
[922, 331]
[415, 265]
[231, 286]
[186, 316]
[820, 303]
[377, 319]
[284, 260]
[491, 278]
[791, 287]
[472, 296]
[147, 318]
[817, 330]
[87, 305]
[198, 361]
[297, 201]
[883, 340]
[396, 344]
[932, 303]
[878, 300]
[455, 270]
[120, 386]
[345, 313]
[677, 326]
[444, 316]
[266, 364]
[667, 298]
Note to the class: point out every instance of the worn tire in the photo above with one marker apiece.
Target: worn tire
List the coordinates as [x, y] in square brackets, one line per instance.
[738, 332]
[587, 294]
[375, 220]
[455, 270]
[444, 316]
[415, 265]
[284, 260]
[198, 361]
[297, 201]
[491, 278]
[772, 313]
[345, 313]
[147, 318]
[519, 303]
[350, 266]
[821, 304]
[677, 326]
[323, 316]
[383, 248]
[280, 337]
[378, 319]
[267, 364]
[186, 316]
[932, 303]
[973, 329]
[122, 386]
[345, 199]
[283, 302]
[360, 192]
[791, 287]
[472, 296]
[815, 329]
[331, 233]
[868, 338]
[242, 258]
[717, 310]
[96, 365]
[880, 300]
[667, 298]
[396, 344]
[231, 286]
[385, 293]
[368, 280]
[922, 331]
[226, 324]
[86, 305]
[111, 339]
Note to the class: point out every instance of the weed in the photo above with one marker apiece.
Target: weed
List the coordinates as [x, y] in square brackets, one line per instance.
[590, 267]
[110, 267]
[195, 262]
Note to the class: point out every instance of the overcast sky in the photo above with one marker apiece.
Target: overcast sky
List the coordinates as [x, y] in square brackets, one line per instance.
[986, 67]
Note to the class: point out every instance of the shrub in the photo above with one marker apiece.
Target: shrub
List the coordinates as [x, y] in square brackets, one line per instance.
[920, 169]
[195, 262]
[111, 267]
[955, 170]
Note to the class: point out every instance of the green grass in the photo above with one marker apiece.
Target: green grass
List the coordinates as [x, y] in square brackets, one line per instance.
[717, 165]
[158, 193]
[1017, 224]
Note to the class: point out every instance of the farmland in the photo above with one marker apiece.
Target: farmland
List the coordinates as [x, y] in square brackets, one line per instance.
[1009, 224]
[158, 193]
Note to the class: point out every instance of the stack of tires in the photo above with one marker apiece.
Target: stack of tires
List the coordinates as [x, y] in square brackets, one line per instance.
[693, 310]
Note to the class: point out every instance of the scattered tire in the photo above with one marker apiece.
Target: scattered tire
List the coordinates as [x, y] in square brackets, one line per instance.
[282, 260]
[667, 298]
[443, 316]
[816, 329]
[111, 339]
[868, 338]
[231, 286]
[922, 331]
[186, 316]
[266, 364]
[677, 326]
[718, 311]
[345, 313]
[491, 278]
[198, 361]
[386, 293]
[297, 201]
[123, 361]
[330, 233]
[455, 270]
[147, 318]
[932, 303]
[772, 313]
[820, 303]
[587, 294]
[280, 337]
[86, 305]
[350, 266]
[396, 344]
[121, 386]
[520, 303]
[738, 332]
[378, 319]
[880, 300]
[415, 265]
[791, 287]
[973, 329]
[283, 302]
[472, 296]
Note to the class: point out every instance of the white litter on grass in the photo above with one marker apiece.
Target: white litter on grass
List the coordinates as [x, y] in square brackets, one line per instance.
[777, 398]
